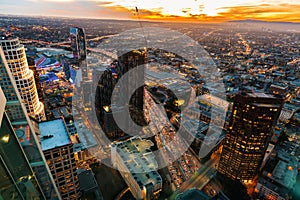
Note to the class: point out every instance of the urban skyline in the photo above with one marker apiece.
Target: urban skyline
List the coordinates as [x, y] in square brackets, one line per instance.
[216, 117]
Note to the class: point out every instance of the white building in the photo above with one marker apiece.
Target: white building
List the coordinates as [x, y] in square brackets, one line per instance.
[16, 59]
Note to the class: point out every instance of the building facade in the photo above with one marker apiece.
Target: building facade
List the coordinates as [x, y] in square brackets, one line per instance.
[78, 43]
[32, 66]
[78, 46]
[127, 62]
[17, 177]
[249, 132]
[14, 53]
[106, 80]
[58, 150]
[128, 94]
[25, 131]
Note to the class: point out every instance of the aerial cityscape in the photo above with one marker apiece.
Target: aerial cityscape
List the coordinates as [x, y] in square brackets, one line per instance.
[128, 100]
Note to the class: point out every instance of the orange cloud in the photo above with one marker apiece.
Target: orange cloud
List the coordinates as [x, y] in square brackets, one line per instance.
[267, 12]
[282, 12]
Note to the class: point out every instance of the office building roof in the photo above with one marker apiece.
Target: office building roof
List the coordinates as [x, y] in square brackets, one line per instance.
[139, 160]
[215, 101]
[192, 194]
[53, 134]
[279, 190]
[260, 95]
[87, 181]
[280, 174]
[285, 172]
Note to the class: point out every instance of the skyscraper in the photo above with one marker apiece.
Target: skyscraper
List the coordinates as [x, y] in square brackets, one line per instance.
[109, 83]
[78, 43]
[107, 80]
[58, 150]
[24, 130]
[248, 134]
[24, 77]
[17, 177]
[126, 62]
[78, 46]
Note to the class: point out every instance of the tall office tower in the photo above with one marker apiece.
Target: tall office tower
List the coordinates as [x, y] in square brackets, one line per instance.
[107, 79]
[78, 43]
[17, 177]
[32, 66]
[78, 46]
[58, 150]
[24, 78]
[127, 62]
[108, 83]
[25, 131]
[250, 129]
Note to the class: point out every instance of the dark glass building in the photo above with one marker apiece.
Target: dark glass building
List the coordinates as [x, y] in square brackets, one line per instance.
[107, 80]
[107, 84]
[17, 177]
[78, 43]
[126, 62]
[78, 46]
[249, 132]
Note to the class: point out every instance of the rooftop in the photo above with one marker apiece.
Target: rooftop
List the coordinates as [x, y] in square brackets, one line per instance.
[280, 190]
[53, 134]
[282, 175]
[285, 171]
[139, 160]
[87, 180]
[260, 95]
[215, 101]
[192, 194]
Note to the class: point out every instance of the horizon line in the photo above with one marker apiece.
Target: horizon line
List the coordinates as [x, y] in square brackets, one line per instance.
[150, 20]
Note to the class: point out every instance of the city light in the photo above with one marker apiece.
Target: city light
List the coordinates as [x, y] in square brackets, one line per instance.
[148, 106]
[5, 138]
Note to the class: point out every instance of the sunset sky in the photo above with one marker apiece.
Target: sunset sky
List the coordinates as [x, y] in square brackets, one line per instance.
[180, 10]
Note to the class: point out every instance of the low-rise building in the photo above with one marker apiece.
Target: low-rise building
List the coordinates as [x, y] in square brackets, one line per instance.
[278, 177]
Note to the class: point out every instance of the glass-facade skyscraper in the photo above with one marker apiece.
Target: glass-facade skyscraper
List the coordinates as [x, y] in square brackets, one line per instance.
[127, 62]
[17, 177]
[25, 131]
[78, 43]
[249, 132]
